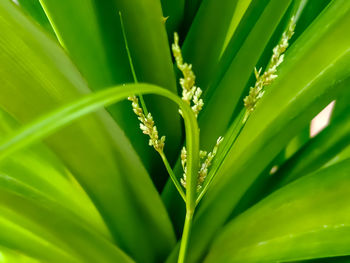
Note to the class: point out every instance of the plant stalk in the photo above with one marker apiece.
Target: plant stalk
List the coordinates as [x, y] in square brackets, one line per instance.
[172, 176]
[185, 236]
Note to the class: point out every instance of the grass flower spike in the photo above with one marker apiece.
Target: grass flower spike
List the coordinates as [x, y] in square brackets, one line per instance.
[265, 79]
[189, 91]
[203, 171]
[147, 126]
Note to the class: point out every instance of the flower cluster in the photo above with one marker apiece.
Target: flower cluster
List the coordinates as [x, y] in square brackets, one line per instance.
[203, 171]
[265, 79]
[190, 93]
[147, 125]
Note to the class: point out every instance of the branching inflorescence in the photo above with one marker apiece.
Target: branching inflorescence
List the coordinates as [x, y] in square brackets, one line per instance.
[191, 94]
[265, 79]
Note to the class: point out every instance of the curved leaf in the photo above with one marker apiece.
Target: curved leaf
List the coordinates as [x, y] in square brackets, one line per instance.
[318, 151]
[53, 121]
[34, 9]
[93, 39]
[9, 255]
[35, 213]
[36, 78]
[307, 219]
[40, 169]
[18, 238]
[61, 117]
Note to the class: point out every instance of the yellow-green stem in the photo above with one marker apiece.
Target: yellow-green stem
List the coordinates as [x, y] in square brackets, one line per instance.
[185, 236]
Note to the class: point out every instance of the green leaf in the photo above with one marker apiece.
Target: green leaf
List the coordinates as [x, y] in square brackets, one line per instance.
[343, 259]
[313, 155]
[307, 219]
[95, 43]
[318, 151]
[8, 255]
[34, 9]
[311, 10]
[49, 123]
[191, 9]
[83, 39]
[147, 37]
[37, 77]
[55, 225]
[40, 169]
[205, 40]
[173, 13]
[19, 238]
[232, 76]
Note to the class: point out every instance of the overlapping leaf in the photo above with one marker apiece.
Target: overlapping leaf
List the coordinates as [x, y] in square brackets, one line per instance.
[36, 77]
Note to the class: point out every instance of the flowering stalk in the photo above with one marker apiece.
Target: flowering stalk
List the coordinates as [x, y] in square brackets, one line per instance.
[265, 79]
[190, 93]
[192, 96]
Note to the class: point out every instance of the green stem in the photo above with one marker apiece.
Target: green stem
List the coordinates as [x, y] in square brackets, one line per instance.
[185, 236]
[172, 176]
[142, 101]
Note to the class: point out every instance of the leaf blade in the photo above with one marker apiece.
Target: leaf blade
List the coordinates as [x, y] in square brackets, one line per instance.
[307, 219]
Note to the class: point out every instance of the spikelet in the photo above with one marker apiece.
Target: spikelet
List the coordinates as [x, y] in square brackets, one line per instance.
[265, 79]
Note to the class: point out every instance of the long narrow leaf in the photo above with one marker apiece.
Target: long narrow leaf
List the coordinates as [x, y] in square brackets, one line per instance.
[34, 9]
[54, 224]
[40, 169]
[38, 77]
[307, 219]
